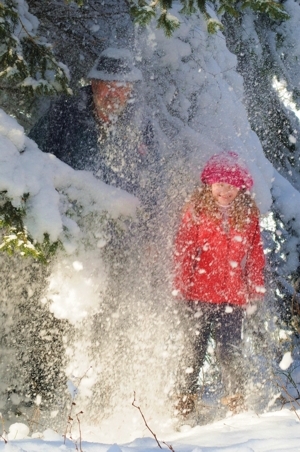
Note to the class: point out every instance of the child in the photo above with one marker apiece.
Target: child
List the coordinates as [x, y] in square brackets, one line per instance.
[219, 264]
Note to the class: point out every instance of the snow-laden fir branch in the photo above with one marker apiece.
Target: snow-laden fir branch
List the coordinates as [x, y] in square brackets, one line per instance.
[27, 61]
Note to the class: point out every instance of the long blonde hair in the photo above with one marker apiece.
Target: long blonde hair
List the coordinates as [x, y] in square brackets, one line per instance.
[240, 211]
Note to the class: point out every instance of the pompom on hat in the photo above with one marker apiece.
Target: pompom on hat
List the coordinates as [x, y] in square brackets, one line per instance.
[227, 167]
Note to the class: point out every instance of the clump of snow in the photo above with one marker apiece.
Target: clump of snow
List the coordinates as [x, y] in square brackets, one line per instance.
[28, 23]
[18, 431]
[38, 400]
[286, 98]
[76, 287]
[251, 309]
[286, 361]
[13, 131]
[77, 266]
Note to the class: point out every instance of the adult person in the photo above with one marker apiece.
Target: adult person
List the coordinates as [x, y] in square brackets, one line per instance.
[103, 129]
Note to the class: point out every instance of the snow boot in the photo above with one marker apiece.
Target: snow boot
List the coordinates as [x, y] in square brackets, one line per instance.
[185, 404]
[235, 403]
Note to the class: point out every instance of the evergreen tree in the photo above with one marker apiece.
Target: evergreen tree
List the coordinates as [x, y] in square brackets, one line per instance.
[144, 11]
[27, 62]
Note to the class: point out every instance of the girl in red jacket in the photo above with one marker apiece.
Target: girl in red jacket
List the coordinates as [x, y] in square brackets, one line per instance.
[219, 263]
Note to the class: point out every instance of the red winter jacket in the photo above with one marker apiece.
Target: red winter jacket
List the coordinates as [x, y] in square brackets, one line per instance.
[216, 266]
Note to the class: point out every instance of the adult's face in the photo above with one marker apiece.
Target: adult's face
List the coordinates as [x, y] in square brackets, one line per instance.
[110, 98]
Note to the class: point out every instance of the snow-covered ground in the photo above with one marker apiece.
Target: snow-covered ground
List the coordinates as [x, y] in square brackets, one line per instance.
[246, 432]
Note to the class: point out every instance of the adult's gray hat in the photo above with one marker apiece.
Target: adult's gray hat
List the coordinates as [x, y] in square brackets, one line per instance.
[115, 65]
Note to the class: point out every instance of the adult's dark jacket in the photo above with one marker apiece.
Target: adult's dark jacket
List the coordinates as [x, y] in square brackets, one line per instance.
[123, 154]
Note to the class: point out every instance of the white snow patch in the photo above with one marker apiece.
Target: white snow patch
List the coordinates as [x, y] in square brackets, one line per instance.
[286, 361]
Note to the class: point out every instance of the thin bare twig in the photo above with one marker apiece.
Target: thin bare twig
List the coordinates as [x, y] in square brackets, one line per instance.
[5, 440]
[79, 428]
[169, 446]
[35, 418]
[151, 431]
[69, 422]
[3, 429]
[70, 419]
[290, 397]
[139, 408]
[81, 378]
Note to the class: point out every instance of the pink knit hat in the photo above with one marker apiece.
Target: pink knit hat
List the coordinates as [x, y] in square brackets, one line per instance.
[227, 167]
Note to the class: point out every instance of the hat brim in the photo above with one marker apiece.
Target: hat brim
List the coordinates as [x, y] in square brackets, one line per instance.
[134, 75]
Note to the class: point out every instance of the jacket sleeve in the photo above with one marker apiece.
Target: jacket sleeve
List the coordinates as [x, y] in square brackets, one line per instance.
[50, 131]
[255, 264]
[185, 253]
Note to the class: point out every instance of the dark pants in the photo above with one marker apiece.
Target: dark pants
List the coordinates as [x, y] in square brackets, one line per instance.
[224, 323]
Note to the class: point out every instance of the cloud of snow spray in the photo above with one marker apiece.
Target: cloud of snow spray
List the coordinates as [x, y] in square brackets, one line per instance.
[118, 329]
[122, 341]
[128, 332]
